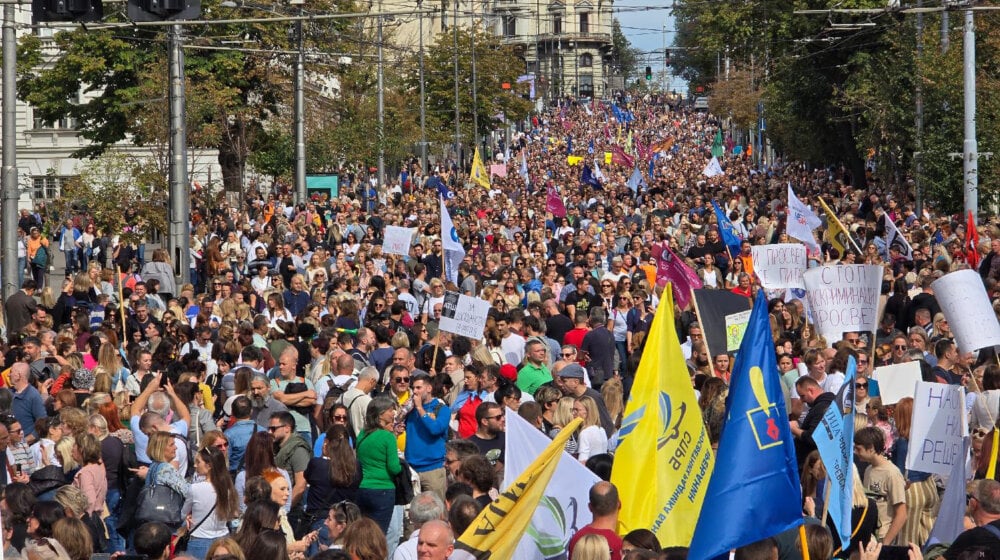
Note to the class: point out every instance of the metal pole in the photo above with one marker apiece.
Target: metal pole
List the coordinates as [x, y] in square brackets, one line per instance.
[9, 135]
[381, 110]
[475, 104]
[945, 31]
[300, 116]
[458, 124]
[179, 241]
[423, 123]
[970, 161]
[919, 117]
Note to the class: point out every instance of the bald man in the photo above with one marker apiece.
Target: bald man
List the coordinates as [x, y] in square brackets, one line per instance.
[436, 541]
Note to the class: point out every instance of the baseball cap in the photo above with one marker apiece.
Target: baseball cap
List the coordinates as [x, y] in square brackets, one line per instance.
[572, 371]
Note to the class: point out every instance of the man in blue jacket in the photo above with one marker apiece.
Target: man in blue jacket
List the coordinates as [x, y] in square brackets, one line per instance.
[426, 434]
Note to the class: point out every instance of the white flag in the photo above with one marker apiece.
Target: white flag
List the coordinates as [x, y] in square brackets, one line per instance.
[454, 252]
[801, 221]
[893, 238]
[523, 170]
[713, 168]
[636, 180]
[563, 509]
[597, 172]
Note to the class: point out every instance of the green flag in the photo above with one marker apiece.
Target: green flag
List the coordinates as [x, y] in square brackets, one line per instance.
[717, 149]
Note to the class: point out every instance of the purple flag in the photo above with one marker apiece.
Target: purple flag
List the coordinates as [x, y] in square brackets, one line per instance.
[670, 268]
[554, 203]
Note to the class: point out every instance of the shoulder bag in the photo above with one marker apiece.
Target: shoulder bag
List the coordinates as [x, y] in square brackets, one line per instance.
[181, 544]
[159, 503]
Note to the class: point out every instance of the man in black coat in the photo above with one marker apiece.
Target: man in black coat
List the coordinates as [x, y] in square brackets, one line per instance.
[21, 307]
[812, 394]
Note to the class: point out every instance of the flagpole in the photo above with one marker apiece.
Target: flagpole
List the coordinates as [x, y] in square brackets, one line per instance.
[847, 232]
[804, 542]
[826, 500]
[697, 313]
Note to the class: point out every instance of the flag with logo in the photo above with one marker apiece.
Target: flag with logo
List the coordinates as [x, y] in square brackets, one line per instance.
[762, 497]
[454, 252]
[618, 156]
[442, 188]
[559, 512]
[713, 168]
[497, 530]
[726, 230]
[664, 459]
[588, 178]
[554, 202]
[479, 174]
[801, 221]
[834, 438]
[597, 172]
[836, 234]
[893, 238]
[670, 268]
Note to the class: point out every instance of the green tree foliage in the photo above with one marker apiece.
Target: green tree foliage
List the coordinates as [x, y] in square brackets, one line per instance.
[624, 57]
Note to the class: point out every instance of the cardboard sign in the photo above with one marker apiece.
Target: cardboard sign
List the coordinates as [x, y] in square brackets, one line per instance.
[464, 315]
[938, 428]
[897, 381]
[843, 298]
[736, 327]
[780, 265]
[963, 300]
[397, 240]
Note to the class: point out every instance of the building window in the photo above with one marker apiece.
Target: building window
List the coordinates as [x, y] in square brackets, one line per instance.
[586, 60]
[509, 26]
[557, 24]
[47, 187]
[586, 85]
[65, 123]
[585, 22]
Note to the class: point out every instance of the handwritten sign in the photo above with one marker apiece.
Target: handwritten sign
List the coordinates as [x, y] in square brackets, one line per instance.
[780, 265]
[464, 315]
[843, 298]
[937, 429]
[397, 240]
[897, 381]
[736, 327]
[970, 315]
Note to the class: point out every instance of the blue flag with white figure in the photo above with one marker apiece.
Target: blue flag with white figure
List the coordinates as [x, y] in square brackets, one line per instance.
[726, 230]
[442, 188]
[587, 178]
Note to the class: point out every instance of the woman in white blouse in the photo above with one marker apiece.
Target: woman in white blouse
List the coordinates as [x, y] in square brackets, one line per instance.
[211, 504]
[593, 440]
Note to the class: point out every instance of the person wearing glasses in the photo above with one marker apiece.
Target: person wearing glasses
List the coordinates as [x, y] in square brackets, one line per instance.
[379, 459]
[490, 436]
[293, 452]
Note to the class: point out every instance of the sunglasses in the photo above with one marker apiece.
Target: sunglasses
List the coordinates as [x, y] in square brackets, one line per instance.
[860, 385]
[567, 354]
[402, 380]
[900, 347]
[501, 415]
[340, 417]
[273, 429]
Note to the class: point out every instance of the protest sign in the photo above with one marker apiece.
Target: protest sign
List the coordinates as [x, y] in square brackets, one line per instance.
[714, 308]
[843, 298]
[970, 315]
[464, 315]
[397, 240]
[937, 429]
[780, 265]
[897, 381]
[736, 327]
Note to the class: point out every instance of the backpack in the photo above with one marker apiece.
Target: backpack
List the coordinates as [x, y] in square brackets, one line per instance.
[333, 396]
[189, 470]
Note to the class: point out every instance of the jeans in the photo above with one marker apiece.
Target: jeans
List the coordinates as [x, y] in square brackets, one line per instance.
[70, 261]
[115, 541]
[198, 547]
[22, 262]
[395, 532]
[622, 349]
[377, 505]
[323, 535]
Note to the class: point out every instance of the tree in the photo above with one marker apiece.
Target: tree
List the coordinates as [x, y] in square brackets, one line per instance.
[624, 57]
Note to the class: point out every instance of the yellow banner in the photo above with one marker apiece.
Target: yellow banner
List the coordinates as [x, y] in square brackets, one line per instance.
[607, 158]
[664, 459]
[574, 160]
[836, 233]
[497, 530]
[479, 174]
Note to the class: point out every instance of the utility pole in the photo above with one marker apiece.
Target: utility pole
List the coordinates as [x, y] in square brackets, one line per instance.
[458, 125]
[918, 96]
[970, 156]
[423, 123]
[945, 30]
[300, 115]
[475, 104]
[180, 199]
[381, 108]
[9, 135]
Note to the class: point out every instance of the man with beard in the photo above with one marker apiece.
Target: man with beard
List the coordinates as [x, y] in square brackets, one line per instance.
[292, 451]
[490, 437]
[262, 404]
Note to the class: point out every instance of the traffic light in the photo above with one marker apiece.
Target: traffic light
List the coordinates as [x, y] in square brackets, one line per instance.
[66, 10]
[160, 10]
[666, 57]
[649, 74]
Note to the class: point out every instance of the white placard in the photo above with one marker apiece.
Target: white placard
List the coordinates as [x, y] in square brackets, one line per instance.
[963, 300]
[736, 327]
[397, 240]
[464, 315]
[937, 429]
[780, 265]
[897, 381]
[843, 298]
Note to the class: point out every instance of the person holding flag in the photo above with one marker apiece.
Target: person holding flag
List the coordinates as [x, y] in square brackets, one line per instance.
[801, 221]
[727, 231]
[763, 497]
[454, 252]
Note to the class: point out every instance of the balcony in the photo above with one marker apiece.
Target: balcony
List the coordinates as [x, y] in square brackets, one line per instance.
[566, 38]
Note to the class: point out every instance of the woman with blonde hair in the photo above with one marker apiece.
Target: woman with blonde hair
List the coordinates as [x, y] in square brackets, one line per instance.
[614, 399]
[591, 547]
[592, 437]
[226, 546]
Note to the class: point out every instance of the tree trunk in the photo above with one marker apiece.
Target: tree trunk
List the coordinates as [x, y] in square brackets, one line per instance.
[233, 156]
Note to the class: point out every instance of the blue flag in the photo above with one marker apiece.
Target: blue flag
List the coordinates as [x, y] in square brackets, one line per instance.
[590, 147]
[726, 230]
[569, 144]
[651, 169]
[636, 181]
[587, 178]
[834, 438]
[442, 188]
[618, 113]
[757, 494]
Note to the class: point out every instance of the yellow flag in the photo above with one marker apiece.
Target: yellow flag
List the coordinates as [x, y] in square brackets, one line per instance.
[607, 158]
[497, 530]
[574, 160]
[628, 142]
[664, 460]
[836, 233]
[479, 172]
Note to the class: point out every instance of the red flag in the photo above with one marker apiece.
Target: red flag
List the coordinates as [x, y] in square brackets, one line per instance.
[670, 268]
[554, 203]
[971, 242]
[618, 156]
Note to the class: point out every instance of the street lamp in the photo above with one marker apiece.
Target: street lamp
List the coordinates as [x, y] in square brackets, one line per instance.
[298, 99]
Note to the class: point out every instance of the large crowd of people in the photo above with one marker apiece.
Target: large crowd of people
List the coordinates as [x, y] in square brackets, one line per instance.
[298, 398]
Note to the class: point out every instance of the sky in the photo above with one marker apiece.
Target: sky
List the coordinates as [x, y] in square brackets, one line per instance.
[643, 23]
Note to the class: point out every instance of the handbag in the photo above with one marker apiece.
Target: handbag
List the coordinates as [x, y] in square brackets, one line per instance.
[41, 257]
[181, 544]
[158, 503]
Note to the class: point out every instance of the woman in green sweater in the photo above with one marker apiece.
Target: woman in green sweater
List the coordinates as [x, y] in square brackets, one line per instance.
[379, 460]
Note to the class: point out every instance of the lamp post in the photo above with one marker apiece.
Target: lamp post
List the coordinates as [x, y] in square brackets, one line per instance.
[9, 180]
[423, 124]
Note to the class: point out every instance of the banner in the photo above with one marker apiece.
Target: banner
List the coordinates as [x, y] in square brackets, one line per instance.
[843, 298]
[498, 169]
[664, 459]
[834, 438]
[464, 315]
[937, 429]
[780, 265]
[607, 158]
[560, 512]
[736, 328]
[963, 300]
[397, 240]
[897, 381]
[454, 252]
[573, 160]
[496, 531]
[717, 311]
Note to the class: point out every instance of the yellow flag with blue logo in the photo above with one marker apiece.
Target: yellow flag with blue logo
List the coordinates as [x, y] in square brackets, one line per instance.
[664, 460]
[497, 530]
[836, 234]
[479, 174]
